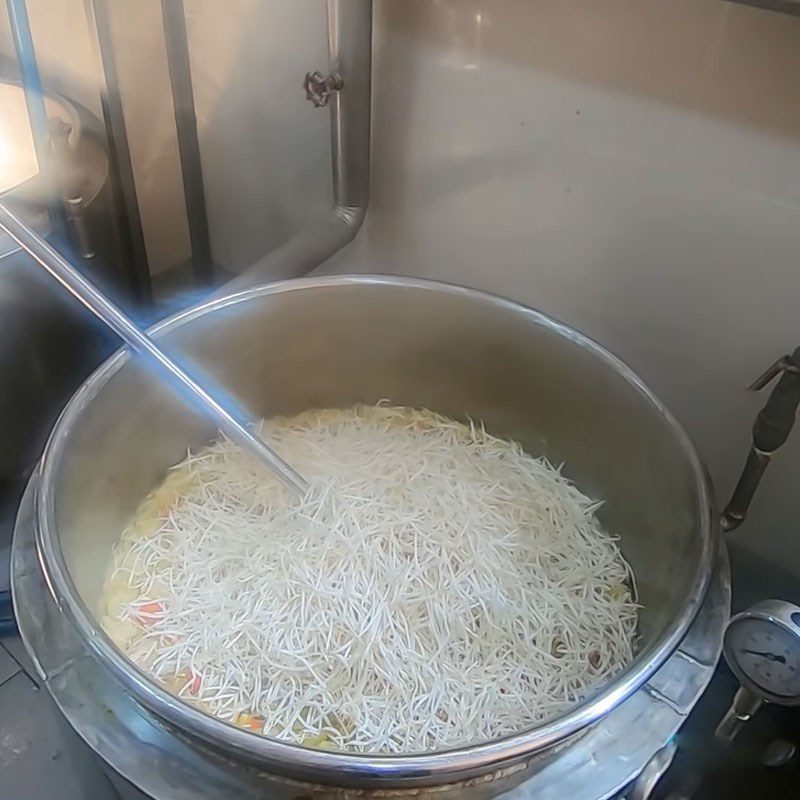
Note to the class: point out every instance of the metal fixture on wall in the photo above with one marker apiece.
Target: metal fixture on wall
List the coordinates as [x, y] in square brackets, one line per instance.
[319, 87]
[770, 431]
[350, 55]
[345, 89]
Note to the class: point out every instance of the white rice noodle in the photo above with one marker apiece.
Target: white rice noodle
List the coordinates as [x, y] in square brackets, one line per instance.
[436, 587]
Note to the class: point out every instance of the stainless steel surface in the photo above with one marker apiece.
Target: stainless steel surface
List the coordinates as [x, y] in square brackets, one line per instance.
[319, 87]
[350, 52]
[350, 45]
[148, 755]
[173, 16]
[775, 618]
[224, 414]
[336, 341]
[649, 777]
[128, 221]
[76, 218]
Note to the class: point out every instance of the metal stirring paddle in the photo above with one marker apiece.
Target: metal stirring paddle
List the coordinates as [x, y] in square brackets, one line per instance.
[75, 283]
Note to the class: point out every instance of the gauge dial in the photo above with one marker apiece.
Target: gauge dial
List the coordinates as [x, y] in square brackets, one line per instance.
[762, 647]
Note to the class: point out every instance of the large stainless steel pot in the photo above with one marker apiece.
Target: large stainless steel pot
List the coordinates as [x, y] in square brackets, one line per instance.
[337, 341]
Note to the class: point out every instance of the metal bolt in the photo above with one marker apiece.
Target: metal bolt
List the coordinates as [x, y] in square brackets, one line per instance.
[319, 87]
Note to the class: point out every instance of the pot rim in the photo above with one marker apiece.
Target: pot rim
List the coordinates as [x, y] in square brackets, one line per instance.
[295, 759]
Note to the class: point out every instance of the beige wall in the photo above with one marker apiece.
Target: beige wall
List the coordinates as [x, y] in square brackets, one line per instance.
[631, 167]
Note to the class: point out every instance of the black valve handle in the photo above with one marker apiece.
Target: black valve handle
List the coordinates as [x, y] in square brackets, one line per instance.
[770, 431]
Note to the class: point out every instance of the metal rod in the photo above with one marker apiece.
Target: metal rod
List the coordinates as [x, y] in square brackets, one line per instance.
[180, 77]
[129, 221]
[744, 705]
[350, 55]
[102, 307]
[34, 102]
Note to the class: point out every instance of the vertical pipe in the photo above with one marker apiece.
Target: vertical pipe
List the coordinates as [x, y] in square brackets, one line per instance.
[34, 102]
[130, 230]
[180, 78]
[350, 49]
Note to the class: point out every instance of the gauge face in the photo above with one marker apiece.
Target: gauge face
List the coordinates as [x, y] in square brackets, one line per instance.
[765, 655]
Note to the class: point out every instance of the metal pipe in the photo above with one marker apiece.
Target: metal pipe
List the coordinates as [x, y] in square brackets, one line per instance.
[350, 48]
[128, 218]
[736, 510]
[180, 77]
[770, 431]
[350, 53]
[102, 307]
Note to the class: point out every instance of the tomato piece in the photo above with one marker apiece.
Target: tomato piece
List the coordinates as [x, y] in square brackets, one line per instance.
[149, 612]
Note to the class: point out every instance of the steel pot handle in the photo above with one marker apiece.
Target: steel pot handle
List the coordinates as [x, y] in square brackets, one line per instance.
[770, 431]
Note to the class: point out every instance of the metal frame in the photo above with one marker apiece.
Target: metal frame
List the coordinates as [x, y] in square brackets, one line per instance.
[129, 223]
[176, 43]
[350, 55]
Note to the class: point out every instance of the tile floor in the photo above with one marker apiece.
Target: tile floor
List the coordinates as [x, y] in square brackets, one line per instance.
[40, 756]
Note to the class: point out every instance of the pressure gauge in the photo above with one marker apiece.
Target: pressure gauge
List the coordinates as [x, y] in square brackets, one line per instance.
[762, 647]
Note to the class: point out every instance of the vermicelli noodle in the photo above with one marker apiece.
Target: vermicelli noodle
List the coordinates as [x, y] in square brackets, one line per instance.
[436, 587]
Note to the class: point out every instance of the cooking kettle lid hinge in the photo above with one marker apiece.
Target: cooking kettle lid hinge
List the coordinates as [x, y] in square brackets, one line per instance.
[770, 431]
